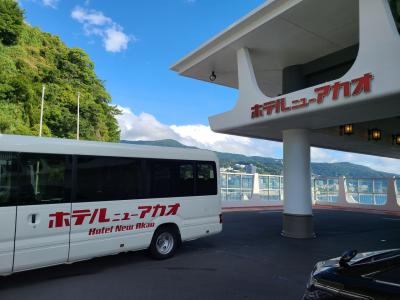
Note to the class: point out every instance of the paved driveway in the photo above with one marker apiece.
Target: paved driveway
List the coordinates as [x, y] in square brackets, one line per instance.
[249, 260]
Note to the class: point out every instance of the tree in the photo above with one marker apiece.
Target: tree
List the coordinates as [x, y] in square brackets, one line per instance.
[38, 58]
[11, 20]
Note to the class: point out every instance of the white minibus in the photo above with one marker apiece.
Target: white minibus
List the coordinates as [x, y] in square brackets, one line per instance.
[65, 200]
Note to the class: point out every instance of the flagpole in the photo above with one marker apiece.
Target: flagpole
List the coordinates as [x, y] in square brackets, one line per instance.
[41, 111]
[77, 120]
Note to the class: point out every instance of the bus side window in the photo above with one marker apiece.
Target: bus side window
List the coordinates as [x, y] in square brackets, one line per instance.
[184, 184]
[101, 178]
[171, 178]
[42, 179]
[161, 178]
[206, 181]
[8, 174]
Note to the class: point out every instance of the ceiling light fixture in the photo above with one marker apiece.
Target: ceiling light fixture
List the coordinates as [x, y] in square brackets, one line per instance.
[374, 134]
[396, 139]
[347, 129]
[213, 76]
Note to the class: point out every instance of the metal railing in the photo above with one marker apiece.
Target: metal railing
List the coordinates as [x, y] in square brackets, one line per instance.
[269, 188]
[236, 186]
[371, 191]
[325, 189]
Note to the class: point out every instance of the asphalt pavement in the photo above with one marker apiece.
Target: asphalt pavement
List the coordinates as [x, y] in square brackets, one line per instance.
[248, 260]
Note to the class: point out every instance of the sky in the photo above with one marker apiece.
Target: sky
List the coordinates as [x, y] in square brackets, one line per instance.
[133, 43]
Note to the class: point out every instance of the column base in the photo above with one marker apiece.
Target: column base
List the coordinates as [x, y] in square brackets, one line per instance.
[298, 226]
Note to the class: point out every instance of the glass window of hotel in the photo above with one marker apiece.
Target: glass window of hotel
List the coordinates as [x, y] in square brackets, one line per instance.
[7, 178]
[43, 179]
[395, 8]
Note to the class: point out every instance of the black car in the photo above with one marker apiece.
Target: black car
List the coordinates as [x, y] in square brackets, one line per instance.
[369, 275]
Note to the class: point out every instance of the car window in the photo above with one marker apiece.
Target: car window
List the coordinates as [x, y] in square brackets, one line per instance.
[390, 276]
[374, 258]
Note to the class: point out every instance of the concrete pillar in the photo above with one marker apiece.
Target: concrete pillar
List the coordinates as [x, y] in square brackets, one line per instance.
[297, 214]
[342, 198]
[391, 202]
[255, 195]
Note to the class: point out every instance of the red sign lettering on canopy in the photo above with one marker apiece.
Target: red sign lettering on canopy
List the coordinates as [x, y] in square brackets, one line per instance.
[347, 88]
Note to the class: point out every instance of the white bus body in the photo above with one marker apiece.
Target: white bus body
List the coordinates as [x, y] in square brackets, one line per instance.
[65, 200]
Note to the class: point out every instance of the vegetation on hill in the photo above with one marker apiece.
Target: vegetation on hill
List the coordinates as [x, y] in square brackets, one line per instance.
[30, 58]
[267, 165]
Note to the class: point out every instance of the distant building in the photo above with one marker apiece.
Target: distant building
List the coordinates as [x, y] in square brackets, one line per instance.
[251, 169]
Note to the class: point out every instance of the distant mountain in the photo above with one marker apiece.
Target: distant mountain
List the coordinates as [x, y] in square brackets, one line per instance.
[163, 143]
[346, 169]
[268, 165]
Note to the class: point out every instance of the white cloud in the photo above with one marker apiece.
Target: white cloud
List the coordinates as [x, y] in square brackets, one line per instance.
[323, 155]
[50, 3]
[385, 164]
[116, 40]
[47, 3]
[146, 127]
[90, 17]
[96, 23]
[142, 127]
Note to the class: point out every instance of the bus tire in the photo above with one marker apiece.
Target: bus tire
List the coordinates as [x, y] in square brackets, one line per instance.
[164, 243]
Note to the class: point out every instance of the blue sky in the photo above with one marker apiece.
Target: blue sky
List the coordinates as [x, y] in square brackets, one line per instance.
[133, 44]
[160, 33]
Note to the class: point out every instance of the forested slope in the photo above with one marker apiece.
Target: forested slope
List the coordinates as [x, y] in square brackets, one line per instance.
[30, 58]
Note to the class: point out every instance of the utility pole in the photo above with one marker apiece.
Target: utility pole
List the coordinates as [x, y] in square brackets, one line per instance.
[77, 120]
[40, 134]
[41, 112]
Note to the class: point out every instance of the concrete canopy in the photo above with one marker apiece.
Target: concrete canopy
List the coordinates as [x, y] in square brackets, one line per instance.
[253, 53]
[280, 33]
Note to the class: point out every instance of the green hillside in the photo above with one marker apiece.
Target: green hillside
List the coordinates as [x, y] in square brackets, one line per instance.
[267, 165]
[162, 143]
[30, 58]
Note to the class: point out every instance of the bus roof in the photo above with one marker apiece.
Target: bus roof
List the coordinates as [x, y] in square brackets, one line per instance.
[31, 144]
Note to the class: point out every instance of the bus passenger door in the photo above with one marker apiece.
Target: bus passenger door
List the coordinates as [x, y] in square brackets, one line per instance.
[8, 165]
[103, 213]
[43, 211]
